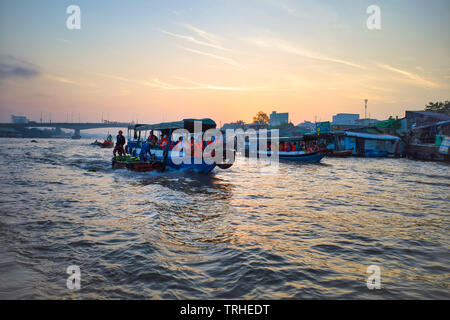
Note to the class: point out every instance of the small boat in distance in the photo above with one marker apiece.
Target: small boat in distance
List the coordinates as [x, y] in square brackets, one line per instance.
[299, 149]
[107, 143]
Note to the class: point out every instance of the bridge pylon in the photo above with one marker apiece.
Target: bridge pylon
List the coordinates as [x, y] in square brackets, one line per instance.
[76, 134]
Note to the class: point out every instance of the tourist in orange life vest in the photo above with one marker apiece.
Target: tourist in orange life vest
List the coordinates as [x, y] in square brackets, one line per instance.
[294, 147]
[196, 148]
[164, 142]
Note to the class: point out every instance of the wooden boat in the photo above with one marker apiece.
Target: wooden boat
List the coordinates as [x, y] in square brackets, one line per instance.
[423, 151]
[137, 165]
[107, 144]
[342, 153]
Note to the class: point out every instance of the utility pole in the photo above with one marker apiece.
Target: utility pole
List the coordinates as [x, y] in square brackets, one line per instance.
[365, 108]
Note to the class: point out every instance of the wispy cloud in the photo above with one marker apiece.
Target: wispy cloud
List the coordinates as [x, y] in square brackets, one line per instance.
[208, 39]
[162, 85]
[111, 76]
[68, 80]
[293, 49]
[214, 87]
[159, 84]
[411, 76]
[12, 67]
[215, 56]
[193, 85]
[194, 40]
[202, 33]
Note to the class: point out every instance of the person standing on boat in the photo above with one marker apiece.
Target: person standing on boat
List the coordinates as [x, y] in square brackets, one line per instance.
[153, 140]
[120, 142]
[146, 149]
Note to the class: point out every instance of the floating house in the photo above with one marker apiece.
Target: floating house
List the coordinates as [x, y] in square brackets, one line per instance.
[369, 145]
[429, 142]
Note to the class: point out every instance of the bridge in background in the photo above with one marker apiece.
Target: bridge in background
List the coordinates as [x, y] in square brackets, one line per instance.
[76, 127]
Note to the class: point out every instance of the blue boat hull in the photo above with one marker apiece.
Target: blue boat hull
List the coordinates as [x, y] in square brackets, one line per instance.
[375, 154]
[308, 158]
[196, 167]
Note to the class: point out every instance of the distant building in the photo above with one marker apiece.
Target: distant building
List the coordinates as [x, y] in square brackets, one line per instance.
[345, 119]
[18, 119]
[278, 119]
[423, 118]
[366, 122]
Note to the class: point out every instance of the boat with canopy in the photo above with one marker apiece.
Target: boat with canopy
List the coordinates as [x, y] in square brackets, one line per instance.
[165, 155]
[294, 148]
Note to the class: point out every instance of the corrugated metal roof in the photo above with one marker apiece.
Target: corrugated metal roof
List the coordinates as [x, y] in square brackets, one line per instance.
[436, 115]
[440, 123]
[371, 136]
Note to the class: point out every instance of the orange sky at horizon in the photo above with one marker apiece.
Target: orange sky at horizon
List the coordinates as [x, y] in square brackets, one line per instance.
[180, 63]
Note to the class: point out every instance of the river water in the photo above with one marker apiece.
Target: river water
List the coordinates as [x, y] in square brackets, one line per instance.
[297, 232]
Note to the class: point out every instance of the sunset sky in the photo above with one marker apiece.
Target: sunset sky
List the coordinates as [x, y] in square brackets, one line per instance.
[166, 60]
